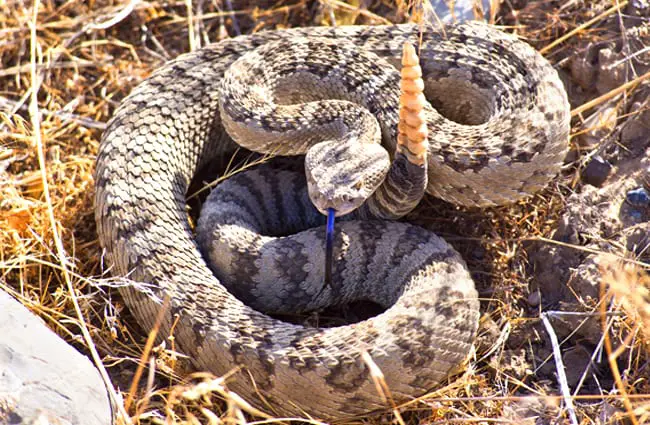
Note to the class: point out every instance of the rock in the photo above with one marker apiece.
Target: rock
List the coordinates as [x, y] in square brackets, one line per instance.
[42, 378]
[583, 68]
[636, 208]
[585, 282]
[637, 241]
[551, 268]
[578, 360]
[638, 197]
[611, 70]
[636, 131]
[530, 411]
[534, 299]
[597, 171]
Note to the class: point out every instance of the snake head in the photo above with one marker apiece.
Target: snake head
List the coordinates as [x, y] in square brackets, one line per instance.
[342, 175]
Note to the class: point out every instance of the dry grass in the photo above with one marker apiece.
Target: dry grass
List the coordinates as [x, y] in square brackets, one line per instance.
[65, 67]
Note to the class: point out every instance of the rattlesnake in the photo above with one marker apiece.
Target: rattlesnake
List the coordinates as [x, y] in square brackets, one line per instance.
[505, 138]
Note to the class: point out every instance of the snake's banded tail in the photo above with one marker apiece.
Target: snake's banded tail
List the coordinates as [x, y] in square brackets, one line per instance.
[406, 181]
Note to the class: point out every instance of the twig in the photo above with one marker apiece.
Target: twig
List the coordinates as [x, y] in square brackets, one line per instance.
[558, 314]
[340, 5]
[117, 18]
[610, 94]
[559, 366]
[77, 63]
[628, 58]
[86, 122]
[587, 249]
[611, 358]
[381, 385]
[494, 398]
[151, 338]
[499, 343]
[190, 26]
[587, 24]
[597, 353]
[233, 17]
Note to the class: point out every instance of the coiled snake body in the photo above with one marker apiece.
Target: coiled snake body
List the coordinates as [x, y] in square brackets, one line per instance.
[499, 133]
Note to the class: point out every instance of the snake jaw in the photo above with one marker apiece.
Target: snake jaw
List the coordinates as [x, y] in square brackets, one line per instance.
[339, 203]
[342, 175]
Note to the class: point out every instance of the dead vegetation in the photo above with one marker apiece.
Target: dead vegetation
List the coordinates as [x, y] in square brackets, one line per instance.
[67, 64]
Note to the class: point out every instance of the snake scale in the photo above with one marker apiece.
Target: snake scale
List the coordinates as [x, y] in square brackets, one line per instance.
[498, 121]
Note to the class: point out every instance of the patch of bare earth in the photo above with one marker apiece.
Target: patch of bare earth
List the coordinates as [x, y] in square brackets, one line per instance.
[566, 302]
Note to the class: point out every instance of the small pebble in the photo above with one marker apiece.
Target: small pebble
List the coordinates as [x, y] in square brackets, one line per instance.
[534, 299]
[597, 171]
[638, 241]
[638, 197]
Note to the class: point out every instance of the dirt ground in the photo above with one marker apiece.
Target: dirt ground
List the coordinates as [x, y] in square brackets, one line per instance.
[562, 276]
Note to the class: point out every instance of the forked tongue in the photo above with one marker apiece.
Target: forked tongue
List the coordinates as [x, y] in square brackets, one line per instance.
[329, 246]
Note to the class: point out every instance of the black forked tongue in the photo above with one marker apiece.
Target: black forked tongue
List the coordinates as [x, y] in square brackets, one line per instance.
[329, 246]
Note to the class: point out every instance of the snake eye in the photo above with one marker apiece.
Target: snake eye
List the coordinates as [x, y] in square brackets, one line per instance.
[358, 185]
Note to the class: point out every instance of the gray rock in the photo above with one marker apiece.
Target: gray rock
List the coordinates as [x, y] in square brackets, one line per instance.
[597, 171]
[42, 378]
[638, 197]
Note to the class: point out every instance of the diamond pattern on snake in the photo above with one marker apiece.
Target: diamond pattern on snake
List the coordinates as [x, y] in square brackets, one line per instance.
[497, 117]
